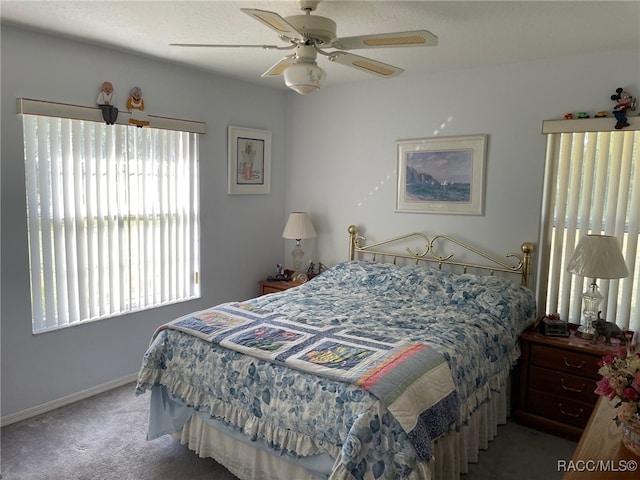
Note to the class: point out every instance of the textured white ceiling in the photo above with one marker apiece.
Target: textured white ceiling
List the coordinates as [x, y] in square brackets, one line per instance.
[471, 33]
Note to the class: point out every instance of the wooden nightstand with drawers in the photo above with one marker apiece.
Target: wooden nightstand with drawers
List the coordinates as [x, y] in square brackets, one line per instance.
[269, 286]
[273, 286]
[557, 379]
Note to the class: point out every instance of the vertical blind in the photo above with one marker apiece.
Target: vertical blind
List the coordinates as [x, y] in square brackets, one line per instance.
[592, 186]
[113, 219]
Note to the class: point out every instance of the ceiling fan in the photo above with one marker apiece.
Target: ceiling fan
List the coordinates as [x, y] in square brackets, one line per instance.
[310, 34]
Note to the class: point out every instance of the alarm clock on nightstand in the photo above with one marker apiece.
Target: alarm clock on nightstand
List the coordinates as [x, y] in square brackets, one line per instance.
[553, 326]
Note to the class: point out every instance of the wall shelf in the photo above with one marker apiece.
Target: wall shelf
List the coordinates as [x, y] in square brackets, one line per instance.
[94, 114]
[589, 124]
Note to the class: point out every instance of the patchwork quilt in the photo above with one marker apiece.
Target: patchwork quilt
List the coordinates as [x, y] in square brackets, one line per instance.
[341, 403]
[412, 380]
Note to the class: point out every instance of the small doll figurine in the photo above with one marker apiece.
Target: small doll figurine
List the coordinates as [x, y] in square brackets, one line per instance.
[135, 104]
[106, 100]
[624, 102]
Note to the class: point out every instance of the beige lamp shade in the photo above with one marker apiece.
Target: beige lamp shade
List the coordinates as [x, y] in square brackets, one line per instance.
[595, 256]
[598, 256]
[299, 226]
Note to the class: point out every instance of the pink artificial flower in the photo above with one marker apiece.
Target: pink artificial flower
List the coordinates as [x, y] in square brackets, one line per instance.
[604, 389]
[606, 360]
[631, 394]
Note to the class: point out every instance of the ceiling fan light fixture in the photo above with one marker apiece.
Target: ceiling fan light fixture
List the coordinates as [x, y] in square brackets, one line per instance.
[304, 77]
[313, 34]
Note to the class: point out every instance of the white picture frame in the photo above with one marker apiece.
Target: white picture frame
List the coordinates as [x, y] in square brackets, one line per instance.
[442, 175]
[249, 161]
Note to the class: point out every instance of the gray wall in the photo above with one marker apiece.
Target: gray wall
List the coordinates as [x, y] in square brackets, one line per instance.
[342, 144]
[333, 155]
[241, 234]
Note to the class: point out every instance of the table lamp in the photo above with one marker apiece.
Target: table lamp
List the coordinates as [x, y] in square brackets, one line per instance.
[298, 226]
[596, 256]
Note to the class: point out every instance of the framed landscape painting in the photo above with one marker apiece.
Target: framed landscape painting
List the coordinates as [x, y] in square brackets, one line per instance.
[249, 152]
[441, 175]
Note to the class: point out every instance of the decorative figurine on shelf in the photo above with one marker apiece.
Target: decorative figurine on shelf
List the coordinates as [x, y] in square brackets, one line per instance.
[624, 102]
[608, 330]
[135, 104]
[106, 100]
[312, 268]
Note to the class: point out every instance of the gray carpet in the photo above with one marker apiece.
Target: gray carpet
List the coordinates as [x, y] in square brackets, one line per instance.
[103, 438]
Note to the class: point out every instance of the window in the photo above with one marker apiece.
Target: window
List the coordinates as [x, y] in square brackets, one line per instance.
[113, 219]
[592, 186]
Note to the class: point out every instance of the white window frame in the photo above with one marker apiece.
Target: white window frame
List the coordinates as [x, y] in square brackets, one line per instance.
[113, 214]
[606, 201]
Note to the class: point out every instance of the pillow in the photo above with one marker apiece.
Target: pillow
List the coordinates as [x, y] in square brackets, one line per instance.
[492, 294]
[375, 277]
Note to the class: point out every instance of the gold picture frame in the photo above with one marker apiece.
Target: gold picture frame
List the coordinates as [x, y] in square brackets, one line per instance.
[441, 175]
[249, 158]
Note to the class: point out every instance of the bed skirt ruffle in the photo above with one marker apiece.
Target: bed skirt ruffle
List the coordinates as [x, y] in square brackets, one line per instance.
[453, 453]
[457, 450]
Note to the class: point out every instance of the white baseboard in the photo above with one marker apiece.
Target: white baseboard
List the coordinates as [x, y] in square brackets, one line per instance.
[66, 400]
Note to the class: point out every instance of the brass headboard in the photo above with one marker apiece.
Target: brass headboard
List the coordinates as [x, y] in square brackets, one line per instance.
[520, 265]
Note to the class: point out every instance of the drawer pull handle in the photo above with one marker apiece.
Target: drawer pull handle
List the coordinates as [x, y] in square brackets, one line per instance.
[573, 365]
[572, 389]
[568, 414]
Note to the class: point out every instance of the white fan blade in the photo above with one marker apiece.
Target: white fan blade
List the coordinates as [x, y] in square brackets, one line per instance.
[416, 38]
[215, 45]
[275, 22]
[280, 67]
[365, 64]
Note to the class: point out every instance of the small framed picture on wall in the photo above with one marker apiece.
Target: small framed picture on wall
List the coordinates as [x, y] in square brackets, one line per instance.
[249, 152]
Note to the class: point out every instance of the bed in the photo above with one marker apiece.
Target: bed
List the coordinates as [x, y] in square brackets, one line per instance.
[394, 364]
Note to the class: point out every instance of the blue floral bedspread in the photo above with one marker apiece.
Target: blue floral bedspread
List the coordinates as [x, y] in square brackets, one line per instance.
[412, 380]
[472, 321]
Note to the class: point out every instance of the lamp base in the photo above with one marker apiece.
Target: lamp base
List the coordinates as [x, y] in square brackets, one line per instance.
[586, 332]
[590, 301]
[297, 254]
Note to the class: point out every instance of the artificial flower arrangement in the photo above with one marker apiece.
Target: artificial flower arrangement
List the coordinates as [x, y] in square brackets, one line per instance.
[621, 381]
